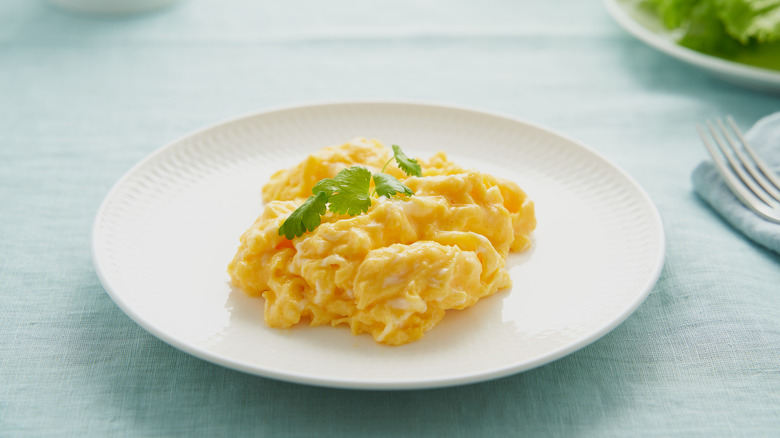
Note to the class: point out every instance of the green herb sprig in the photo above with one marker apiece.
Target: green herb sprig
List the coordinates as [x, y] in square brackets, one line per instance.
[348, 193]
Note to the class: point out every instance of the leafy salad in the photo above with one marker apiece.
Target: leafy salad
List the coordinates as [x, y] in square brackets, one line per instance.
[745, 31]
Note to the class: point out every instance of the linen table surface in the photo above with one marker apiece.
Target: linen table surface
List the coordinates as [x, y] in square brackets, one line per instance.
[84, 98]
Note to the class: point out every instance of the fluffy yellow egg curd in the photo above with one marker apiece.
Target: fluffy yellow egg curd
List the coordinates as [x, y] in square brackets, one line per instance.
[394, 271]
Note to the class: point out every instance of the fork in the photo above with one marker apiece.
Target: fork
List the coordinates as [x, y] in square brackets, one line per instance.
[744, 172]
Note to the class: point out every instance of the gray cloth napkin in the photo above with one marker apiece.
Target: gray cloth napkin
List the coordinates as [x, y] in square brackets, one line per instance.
[764, 137]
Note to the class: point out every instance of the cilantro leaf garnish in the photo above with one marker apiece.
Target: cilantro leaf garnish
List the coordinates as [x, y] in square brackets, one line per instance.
[348, 193]
[388, 185]
[328, 186]
[307, 217]
[351, 194]
[408, 165]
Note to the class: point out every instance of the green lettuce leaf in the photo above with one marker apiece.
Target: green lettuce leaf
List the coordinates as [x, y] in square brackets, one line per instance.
[673, 13]
[721, 27]
[751, 20]
[707, 33]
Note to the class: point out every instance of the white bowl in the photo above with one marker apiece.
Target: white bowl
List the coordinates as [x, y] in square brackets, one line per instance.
[110, 7]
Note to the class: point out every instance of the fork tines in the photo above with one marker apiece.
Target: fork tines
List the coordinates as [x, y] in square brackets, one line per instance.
[750, 179]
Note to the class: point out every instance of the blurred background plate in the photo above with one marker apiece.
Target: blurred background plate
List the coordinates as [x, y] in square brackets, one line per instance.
[648, 28]
[111, 7]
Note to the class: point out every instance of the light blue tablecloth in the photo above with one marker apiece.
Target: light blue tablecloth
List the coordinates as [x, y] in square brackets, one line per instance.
[83, 99]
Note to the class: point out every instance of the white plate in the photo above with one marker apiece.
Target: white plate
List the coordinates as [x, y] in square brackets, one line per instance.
[166, 232]
[648, 28]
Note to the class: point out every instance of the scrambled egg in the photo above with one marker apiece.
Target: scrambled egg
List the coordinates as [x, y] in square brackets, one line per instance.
[395, 270]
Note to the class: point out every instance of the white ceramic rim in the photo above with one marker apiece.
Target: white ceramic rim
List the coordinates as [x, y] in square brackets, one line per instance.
[110, 7]
[357, 383]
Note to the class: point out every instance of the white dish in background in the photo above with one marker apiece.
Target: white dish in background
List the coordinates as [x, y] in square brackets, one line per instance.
[111, 7]
[649, 29]
[165, 233]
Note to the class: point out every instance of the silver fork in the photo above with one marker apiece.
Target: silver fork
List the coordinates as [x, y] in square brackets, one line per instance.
[745, 173]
